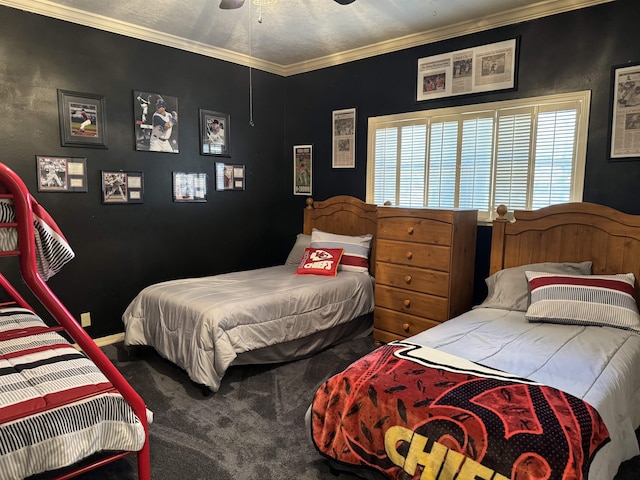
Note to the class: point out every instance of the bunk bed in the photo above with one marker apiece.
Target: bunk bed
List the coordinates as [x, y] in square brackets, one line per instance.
[64, 407]
[266, 315]
[540, 380]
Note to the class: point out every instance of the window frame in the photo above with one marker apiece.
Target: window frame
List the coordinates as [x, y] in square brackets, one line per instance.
[582, 100]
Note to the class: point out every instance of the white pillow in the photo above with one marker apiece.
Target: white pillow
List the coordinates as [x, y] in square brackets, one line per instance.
[602, 300]
[356, 248]
[295, 255]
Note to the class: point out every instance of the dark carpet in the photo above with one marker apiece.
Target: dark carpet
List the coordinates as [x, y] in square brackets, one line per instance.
[251, 429]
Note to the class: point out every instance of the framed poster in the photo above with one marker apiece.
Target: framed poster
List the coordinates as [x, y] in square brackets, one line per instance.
[122, 187]
[215, 131]
[61, 174]
[625, 113]
[302, 157]
[229, 177]
[472, 70]
[344, 138]
[155, 122]
[83, 119]
[189, 187]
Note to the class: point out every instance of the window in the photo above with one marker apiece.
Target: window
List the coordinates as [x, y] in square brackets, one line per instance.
[525, 153]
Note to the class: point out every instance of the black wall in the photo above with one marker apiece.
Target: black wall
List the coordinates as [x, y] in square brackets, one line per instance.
[562, 53]
[122, 248]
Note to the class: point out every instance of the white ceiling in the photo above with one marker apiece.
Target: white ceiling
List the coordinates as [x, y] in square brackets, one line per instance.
[296, 36]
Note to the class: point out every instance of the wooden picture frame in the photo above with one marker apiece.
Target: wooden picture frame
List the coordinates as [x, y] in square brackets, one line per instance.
[83, 119]
[302, 169]
[230, 177]
[189, 187]
[624, 135]
[61, 174]
[215, 133]
[122, 187]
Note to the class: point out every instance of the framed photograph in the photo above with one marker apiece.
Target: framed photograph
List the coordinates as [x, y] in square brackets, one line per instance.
[229, 177]
[155, 122]
[215, 131]
[625, 113]
[302, 157]
[122, 187]
[61, 174]
[83, 119]
[472, 70]
[189, 187]
[344, 138]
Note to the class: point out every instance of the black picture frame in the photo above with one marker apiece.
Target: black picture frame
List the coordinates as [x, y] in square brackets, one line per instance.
[122, 187]
[165, 136]
[189, 187]
[74, 110]
[61, 174]
[230, 177]
[624, 121]
[215, 133]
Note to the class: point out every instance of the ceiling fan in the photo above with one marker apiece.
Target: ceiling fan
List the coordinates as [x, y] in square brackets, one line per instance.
[232, 4]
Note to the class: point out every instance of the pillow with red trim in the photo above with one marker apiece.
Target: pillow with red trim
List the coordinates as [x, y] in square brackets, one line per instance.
[356, 248]
[320, 261]
[602, 300]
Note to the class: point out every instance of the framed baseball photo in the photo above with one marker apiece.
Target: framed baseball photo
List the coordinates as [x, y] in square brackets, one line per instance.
[155, 122]
[82, 119]
[215, 133]
[61, 174]
[121, 187]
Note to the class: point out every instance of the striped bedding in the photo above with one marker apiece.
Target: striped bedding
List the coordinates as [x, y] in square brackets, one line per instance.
[56, 407]
[52, 249]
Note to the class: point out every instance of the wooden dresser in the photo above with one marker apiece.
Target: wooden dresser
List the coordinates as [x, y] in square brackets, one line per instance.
[424, 269]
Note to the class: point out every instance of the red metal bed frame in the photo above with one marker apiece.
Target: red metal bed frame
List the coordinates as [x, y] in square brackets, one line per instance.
[19, 194]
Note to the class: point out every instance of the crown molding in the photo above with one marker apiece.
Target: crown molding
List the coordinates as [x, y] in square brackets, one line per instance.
[516, 15]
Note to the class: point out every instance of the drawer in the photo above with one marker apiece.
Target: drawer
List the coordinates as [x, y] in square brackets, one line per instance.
[382, 336]
[415, 254]
[400, 323]
[411, 278]
[411, 229]
[406, 301]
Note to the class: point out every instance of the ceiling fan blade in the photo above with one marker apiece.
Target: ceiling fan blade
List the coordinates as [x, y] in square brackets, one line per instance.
[344, 2]
[231, 4]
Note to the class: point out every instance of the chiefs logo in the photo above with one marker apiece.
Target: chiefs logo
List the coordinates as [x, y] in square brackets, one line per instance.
[320, 255]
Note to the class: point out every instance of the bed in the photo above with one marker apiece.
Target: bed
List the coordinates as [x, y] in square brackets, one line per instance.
[267, 315]
[540, 380]
[64, 407]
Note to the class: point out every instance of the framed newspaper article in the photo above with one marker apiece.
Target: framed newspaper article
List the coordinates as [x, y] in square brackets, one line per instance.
[302, 157]
[344, 138]
[472, 70]
[625, 121]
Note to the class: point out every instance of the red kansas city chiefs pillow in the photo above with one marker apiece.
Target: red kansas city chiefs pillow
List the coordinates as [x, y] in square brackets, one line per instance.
[320, 261]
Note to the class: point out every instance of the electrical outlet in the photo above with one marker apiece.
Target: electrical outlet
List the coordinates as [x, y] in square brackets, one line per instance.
[85, 319]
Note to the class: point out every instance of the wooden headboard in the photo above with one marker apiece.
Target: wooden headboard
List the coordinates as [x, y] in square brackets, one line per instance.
[570, 232]
[343, 215]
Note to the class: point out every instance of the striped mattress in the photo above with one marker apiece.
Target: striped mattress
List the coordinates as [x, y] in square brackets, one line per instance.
[56, 407]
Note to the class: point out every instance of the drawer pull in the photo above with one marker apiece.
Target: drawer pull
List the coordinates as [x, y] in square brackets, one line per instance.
[407, 303]
[407, 279]
[410, 230]
[409, 255]
[405, 327]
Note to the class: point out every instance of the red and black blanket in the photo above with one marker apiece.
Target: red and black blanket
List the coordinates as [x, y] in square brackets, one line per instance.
[412, 412]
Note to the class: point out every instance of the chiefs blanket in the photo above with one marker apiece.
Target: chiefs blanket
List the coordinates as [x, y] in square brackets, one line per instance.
[409, 411]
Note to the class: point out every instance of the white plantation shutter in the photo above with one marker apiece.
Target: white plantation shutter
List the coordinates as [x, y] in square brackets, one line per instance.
[443, 153]
[525, 153]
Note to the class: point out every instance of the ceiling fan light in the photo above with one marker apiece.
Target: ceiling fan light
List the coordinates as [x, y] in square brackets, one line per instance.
[231, 4]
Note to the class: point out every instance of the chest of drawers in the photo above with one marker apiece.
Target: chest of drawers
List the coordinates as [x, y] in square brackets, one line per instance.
[424, 269]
